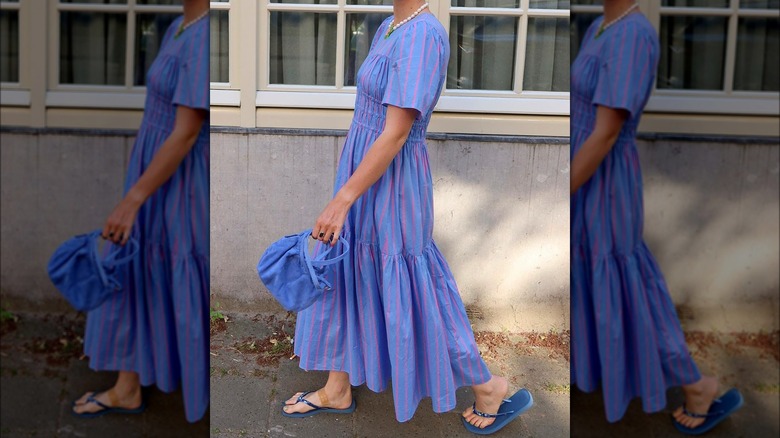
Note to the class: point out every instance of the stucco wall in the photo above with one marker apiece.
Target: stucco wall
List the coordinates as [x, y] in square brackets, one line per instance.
[501, 218]
[712, 221]
[55, 184]
[712, 208]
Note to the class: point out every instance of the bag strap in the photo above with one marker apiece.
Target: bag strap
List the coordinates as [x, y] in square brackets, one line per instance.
[110, 258]
[317, 261]
[93, 252]
[133, 242]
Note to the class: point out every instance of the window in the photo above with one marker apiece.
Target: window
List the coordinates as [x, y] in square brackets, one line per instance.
[9, 41]
[220, 41]
[507, 56]
[106, 46]
[717, 56]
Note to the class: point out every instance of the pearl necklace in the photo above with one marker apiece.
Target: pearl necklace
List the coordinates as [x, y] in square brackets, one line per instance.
[183, 27]
[606, 26]
[393, 27]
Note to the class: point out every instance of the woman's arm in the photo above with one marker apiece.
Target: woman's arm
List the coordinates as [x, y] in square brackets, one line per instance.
[164, 163]
[397, 126]
[609, 122]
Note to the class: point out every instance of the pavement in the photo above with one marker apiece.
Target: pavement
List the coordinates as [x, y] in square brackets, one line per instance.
[42, 371]
[747, 361]
[253, 372]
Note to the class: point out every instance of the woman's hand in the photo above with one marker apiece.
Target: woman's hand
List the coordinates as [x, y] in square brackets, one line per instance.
[120, 222]
[331, 221]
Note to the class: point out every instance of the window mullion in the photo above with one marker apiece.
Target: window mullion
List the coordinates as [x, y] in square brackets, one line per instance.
[729, 63]
[522, 40]
[130, 44]
[341, 26]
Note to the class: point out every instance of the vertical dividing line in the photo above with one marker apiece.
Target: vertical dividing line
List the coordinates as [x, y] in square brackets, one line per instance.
[130, 45]
[341, 38]
[729, 64]
[652, 11]
[253, 50]
[522, 40]
[233, 38]
[442, 11]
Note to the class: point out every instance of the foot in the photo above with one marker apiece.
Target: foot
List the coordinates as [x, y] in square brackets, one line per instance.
[489, 397]
[112, 398]
[338, 398]
[698, 398]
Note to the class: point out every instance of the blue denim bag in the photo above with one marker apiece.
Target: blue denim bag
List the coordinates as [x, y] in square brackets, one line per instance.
[86, 274]
[293, 276]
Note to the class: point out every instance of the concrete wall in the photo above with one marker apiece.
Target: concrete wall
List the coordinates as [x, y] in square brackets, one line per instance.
[712, 208]
[54, 184]
[711, 219]
[501, 204]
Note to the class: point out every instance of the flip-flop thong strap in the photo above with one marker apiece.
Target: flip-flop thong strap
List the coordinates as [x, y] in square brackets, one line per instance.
[708, 414]
[92, 399]
[485, 415]
[302, 399]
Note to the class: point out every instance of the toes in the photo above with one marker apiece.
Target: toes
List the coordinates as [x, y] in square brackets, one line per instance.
[294, 399]
[83, 399]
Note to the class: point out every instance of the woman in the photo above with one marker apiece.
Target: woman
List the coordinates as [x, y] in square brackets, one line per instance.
[395, 313]
[156, 330]
[625, 333]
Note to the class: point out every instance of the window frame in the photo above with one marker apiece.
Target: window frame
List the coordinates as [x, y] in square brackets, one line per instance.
[17, 94]
[715, 102]
[126, 96]
[340, 97]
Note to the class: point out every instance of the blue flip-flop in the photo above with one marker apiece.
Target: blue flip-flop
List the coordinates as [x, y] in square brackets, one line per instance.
[719, 409]
[106, 409]
[317, 409]
[510, 409]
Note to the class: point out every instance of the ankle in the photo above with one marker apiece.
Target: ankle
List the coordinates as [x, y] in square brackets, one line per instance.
[127, 392]
[337, 389]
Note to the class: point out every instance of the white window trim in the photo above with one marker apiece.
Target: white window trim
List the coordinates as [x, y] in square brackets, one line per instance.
[18, 8]
[15, 97]
[95, 99]
[126, 96]
[339, 96]
[725, 101]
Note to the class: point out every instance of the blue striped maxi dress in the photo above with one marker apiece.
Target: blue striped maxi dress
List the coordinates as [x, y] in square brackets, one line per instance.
[395, 313]
[626, 337]
[158, 325]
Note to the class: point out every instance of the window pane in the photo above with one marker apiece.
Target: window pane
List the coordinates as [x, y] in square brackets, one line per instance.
[482, 53]
[759, 4]
[486, 3]
[303, 49]
[9, 46]
[149, 32]
[587, 2]
[219, 47]
[687, 43]
[370, 2]
[580, 22]
[549, 4]
[547, 55]
[360, 31]
[102, 2]
[306, 2]
[92, 48]
[758, 44]
[696, 3]
[159, 2]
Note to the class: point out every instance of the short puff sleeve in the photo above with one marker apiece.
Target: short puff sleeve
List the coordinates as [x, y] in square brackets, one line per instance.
[192, 83]
[627, 71]
[415, 69]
